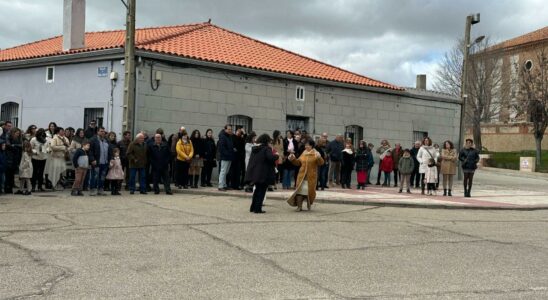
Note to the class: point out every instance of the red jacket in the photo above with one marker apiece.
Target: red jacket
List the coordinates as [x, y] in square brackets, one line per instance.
[387, 164]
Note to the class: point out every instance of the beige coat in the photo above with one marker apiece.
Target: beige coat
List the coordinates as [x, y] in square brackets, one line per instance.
[448, 162]
[59, 145]
[308, 163]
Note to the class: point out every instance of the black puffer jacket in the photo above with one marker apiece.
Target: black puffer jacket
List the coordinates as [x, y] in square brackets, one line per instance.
[469, 158]
[261, 166]
[14, 153]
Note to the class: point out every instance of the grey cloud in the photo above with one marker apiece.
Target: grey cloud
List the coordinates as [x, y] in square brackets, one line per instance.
[389, 40]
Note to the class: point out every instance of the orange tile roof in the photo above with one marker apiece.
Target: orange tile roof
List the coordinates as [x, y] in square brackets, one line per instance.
[531, 37]
[206, 42]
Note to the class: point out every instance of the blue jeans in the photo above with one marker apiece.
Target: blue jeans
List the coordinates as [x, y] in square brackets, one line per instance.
[97, 176]
[288, 174]
[225, 167]
[142, 179]
[323, 170]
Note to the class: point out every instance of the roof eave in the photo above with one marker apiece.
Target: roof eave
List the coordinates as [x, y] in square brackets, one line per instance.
[80, 57]
[191, 61]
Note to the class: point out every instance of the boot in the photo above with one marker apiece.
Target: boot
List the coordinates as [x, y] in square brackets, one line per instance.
[74, 193]
[79, 193]
[445, 192]
[299, 199]
[449, 193]
[308, 204]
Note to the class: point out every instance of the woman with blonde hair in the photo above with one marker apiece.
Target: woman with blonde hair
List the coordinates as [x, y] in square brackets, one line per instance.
[307, 179]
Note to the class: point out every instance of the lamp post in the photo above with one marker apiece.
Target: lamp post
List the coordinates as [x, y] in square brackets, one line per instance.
[470, 20]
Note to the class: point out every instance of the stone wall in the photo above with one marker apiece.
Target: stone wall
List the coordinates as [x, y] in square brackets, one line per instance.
[201, 98]
[508, 137]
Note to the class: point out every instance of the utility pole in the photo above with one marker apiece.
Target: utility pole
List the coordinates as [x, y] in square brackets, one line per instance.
[129, 64]
[470, 20]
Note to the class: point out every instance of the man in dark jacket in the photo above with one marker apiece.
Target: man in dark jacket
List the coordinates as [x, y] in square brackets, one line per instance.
[159, 155]
[260, 171]
[236, 170]
[123, 145]
[226, 152]
[415, 176]
[137, 158]
[100, 154]
[334, 150]
[92, 130]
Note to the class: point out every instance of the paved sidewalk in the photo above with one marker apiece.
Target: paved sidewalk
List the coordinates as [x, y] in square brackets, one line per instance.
[484, 196]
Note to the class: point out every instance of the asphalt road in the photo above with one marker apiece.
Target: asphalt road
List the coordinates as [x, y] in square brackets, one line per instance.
[204, 247]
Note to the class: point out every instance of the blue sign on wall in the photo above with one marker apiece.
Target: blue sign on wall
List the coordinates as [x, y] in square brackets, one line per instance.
[102, 71]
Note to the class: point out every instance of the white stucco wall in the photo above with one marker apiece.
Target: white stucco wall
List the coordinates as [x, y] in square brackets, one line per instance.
[75, 87]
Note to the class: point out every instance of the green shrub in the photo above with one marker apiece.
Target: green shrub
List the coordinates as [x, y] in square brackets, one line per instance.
[510, 160]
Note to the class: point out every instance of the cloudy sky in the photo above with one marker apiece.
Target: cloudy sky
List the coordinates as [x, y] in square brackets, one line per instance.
[389, 40]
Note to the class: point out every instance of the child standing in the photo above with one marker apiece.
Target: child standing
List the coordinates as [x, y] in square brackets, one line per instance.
[387, 166]
[25, 169]
[347, 165]
[115, 173]
[80, 160]
[2, 164]
[431, 176]
[406, 166]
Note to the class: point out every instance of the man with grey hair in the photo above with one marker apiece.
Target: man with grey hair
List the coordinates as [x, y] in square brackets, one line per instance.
[415, 176]
[137, 159]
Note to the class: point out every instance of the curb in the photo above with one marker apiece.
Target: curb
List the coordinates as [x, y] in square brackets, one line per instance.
[375, 203]
[536, 175]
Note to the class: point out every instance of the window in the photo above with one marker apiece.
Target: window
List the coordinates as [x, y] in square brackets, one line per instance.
[93, 114]
[299, 94]
[528, 65]
[355, 133]
[50, 74]
[294, 123]
[240, 121]
[419, 135]
[10, 112]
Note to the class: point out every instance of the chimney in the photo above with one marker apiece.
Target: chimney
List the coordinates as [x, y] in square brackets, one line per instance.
[421, 82]
[74, 24]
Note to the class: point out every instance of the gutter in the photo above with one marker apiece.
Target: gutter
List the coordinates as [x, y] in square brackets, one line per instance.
[108, 54]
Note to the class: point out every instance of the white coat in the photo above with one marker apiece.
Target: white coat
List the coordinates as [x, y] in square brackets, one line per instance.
[423, 156]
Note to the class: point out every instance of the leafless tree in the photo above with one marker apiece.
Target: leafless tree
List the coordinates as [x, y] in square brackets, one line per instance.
[533, 92]
[484, 87]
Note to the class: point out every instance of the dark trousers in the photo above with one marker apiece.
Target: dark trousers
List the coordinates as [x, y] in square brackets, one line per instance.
[468, 178]
[181, 168]
[379, 173]
[346, 175]
[38, 167]
[322, 172]
[163, 176]
[115, 186]
[258, 197]
[235, 174]
[133, 172]
[206, 171]
[10, 181]
[423, 184]
[416, 177]
[396, 177]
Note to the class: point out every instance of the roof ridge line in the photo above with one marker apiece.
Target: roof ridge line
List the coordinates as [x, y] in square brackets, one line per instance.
[193, 27]
[305, 57]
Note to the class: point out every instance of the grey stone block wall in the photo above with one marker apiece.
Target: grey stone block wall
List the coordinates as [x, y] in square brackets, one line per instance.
[201, 98]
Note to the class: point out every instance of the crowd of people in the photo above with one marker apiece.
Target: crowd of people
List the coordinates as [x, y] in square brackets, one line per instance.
[98, 162]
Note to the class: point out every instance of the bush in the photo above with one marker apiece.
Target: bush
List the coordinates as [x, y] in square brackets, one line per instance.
[510, 160]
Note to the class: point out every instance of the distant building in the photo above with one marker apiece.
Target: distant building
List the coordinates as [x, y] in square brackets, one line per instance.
[204, 76]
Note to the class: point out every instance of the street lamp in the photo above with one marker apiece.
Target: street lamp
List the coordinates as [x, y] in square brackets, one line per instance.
[470, 20]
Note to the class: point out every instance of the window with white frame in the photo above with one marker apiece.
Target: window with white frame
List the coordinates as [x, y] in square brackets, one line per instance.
[419, 135]
[299, 93]
[238, 121]
[50, 74]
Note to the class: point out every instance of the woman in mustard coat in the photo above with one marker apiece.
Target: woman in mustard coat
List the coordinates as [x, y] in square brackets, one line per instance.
[185, 152]
[309, 161]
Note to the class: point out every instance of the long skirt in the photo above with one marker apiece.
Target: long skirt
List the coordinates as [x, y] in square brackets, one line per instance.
[54, 168]
[361, 177]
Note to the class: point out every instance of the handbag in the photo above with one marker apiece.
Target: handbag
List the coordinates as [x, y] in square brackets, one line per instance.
[438, 163]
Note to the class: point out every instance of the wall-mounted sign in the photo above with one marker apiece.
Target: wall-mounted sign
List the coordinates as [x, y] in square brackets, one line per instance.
[102, 71]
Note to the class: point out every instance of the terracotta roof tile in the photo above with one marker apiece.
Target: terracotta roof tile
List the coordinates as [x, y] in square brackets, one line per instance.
[205, 42]
[531, 37]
